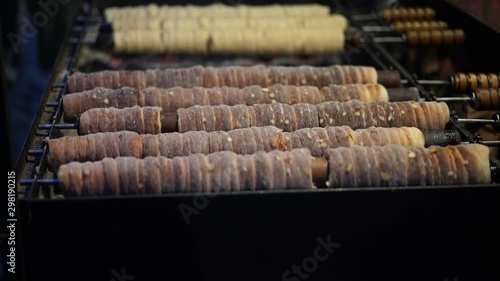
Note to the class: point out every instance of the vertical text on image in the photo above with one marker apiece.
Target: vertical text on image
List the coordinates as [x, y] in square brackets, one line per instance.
[11, 221]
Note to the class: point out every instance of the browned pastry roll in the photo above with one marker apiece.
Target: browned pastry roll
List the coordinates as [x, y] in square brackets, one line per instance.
[174, 98]
[143, 120]
[226, 118]
[361, 92]
[182, 77]
[240, 141]
[217, 172]
[175, 144]
[357, 115]
[230, 76]
[319, 140]
[395, 165]
[294, 40]
[98, 146]
[316, 76]
[94, 147]
[76, 104]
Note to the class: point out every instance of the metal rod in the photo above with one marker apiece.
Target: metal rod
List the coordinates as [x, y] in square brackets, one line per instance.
[88, 29]
[35, 151]
[454, 99]
[480, 121]
[89, 40]
[429, 82]
[487, 143]
[389, 40]
[93, 29]
[491, 143]
[390, 60]
[57, 86]
[65, 61]
[96, 19]
[52, 104]
[58, 126]
[377, 28]
[363, 17]
[53, 181]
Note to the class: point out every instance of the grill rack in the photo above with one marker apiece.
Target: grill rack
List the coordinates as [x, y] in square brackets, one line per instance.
[43, 214]
[36, 157]
[32, 162]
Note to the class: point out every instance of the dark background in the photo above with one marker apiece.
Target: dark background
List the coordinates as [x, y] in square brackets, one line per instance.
[26, 71]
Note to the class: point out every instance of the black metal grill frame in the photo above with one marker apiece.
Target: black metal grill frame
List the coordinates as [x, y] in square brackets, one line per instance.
[43, 221]
[32, 163]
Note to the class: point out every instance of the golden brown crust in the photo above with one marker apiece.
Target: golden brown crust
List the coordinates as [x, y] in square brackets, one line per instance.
[94, 147]
[232, 76]
[142, 120]
[216, 171]
[395, 165]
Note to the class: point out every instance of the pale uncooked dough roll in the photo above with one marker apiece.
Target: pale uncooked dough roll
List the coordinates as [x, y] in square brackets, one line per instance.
[252, 38]
[167, 44]
[218, 28]
[149, 24]
[306, 10]
[155, 42]
[172, 41]
[182, 23]
[272, 23]
[235, 41]
[274, 41]
[119, 42]
[213, 22]
[201, 39]
[217, 41]
[322, 41]
[139, 12]
[145, 41]
[334, 21]
[128, 12]
[228, 23]
[266, 11]
[279, 41]
[184, 40]
[216, 10]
